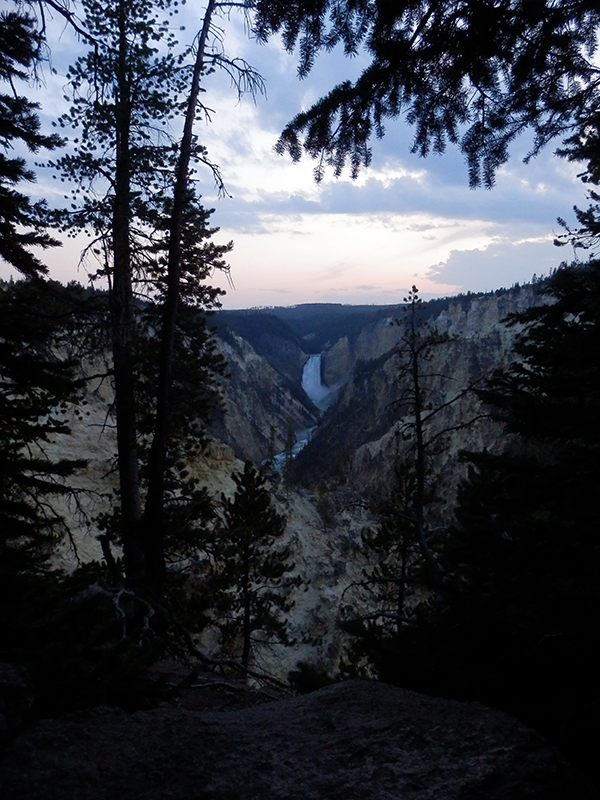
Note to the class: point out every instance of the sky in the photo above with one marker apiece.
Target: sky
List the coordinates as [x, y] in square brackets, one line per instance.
[406, 220]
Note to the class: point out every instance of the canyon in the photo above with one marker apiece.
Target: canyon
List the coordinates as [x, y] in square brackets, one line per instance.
[346, 441]
[319, 401]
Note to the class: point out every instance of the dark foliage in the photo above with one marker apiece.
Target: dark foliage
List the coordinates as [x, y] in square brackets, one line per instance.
[22, 222]
[251, 576]
[36, 385]
[38, 322]
[471, 74]
[93, 645]
[517, 627]
[254, 326]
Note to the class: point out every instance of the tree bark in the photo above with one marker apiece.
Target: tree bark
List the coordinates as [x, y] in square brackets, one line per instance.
[420, 465]
[154, 508]
[122, 320]
[247, 602]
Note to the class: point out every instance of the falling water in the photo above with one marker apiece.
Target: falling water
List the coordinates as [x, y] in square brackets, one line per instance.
[321, 395]
[311, 382]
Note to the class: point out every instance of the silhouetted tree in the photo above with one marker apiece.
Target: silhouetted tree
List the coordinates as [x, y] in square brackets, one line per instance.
[36, 385]
[134, 195]
[471, 74]
[526, 550]
[23, 223]
[252, 566]
[404, 582]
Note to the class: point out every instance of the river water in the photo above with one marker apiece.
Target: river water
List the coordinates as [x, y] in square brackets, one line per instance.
[322, 397]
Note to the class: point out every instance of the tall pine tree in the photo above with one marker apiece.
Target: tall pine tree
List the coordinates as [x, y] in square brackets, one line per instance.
[150, 239]
[526, 552]
[35, 378]
[35, 381]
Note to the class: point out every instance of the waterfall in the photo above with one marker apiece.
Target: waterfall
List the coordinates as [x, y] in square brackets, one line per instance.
[321, 395]
[311, 381]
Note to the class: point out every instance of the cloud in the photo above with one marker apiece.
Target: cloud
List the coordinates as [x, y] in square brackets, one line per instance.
[404, 220]
[499, 264]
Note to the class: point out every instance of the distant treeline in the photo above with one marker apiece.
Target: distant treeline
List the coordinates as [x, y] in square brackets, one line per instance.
[314, 326]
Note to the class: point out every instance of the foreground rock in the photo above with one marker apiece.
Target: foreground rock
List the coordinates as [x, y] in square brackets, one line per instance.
[356, 740]
[16, 700]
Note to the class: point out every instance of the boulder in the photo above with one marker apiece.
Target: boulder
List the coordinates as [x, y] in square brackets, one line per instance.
[351, 741]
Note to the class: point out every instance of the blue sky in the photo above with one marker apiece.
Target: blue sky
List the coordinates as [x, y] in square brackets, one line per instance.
[405, 220]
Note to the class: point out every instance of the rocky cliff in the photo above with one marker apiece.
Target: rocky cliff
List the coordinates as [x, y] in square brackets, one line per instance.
[362, 436]
[350, 454]
[261, 405]
[467, 317]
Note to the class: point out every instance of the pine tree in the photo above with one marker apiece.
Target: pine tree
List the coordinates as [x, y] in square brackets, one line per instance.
[525, 554]
[252, 566]
[35, 380]
[418, 406]
[151, 242]
[539, 497]
[471, 74]
[392, 556]
[405, 583]
[23, 223]
[34, 383]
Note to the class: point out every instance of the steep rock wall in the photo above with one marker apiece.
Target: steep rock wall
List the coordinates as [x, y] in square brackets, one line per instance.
[260, 404]
[259, 408]
[358, 440]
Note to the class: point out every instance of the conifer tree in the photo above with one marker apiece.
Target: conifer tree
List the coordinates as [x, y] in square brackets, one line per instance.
[526, 551]
[34, 383]
[464, 73]
[252, 566]
[151, 241]
[405, 581]
[539, 497]
[392, 556]
[23, 223]
[417, 405]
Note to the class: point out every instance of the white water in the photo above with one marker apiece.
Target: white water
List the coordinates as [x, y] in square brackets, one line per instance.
[322, 397]
[302, 438]
[312, 385]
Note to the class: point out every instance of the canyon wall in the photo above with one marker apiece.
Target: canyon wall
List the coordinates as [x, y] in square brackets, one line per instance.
[366, 432]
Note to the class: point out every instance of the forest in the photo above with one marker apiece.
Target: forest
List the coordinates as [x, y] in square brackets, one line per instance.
[498, 602]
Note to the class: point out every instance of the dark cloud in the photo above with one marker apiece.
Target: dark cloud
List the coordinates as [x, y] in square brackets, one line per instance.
[496, 266]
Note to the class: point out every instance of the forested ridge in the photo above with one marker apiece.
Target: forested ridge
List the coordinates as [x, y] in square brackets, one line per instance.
[491, 594]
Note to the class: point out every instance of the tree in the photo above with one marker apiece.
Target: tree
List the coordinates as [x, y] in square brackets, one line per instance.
[475, 74]
[526, 549]
[134, 195]
[252, 567]
[23, 223]
[35, 382]
[379, 610]
[415, 351]
[405, 584]
[548, 400]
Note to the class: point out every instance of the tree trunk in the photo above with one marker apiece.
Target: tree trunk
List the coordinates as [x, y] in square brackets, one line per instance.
[247, 609]
[419, 501]
[121, 307]
[153, 513]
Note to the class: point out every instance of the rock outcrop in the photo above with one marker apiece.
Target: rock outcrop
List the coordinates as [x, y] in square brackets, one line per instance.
[261, 404]
[363, 434]
[351, 741]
